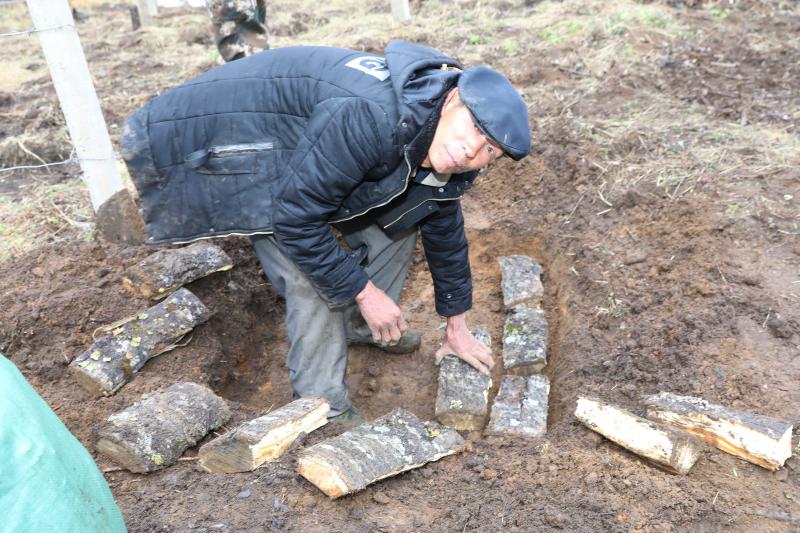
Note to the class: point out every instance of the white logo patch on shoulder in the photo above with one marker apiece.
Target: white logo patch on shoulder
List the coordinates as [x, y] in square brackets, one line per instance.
[375, 66]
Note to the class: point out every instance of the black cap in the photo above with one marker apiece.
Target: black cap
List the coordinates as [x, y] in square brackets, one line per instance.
[497, 109]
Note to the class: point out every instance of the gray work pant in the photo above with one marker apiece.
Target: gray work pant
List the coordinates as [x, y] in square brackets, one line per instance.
[317, 358]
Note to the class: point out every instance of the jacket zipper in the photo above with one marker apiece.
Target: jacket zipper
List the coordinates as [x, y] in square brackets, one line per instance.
[404, 213]
[405, 186]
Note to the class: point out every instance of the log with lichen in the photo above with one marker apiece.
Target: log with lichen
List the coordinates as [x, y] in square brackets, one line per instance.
[760, 439]
[462, 398]
[165, 271]
[155, 431]
[263, 439]
[392, 444]
[674, 451]
[521, 282]
[525, 342]
[520, 407]
[111, 361]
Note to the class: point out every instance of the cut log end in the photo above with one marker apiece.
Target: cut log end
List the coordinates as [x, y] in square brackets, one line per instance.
[324, 475]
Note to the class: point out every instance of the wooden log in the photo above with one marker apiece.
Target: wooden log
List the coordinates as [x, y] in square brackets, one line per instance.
[462, 399]
[163, 272]
[392, 444]
[155, 431]
[672, 450]
[762, 440]
[263, 439]
[525, 342]
[520, 408]
[111, 361]
[521, 282]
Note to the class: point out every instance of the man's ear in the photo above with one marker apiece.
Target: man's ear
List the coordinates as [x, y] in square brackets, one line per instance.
[451, 99]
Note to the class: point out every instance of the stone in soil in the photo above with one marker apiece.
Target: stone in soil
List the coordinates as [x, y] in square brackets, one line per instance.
[521, 282]
[520, 408]
[462, 397]
[525, 342]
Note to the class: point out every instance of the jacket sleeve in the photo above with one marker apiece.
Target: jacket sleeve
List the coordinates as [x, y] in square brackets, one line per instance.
[446, 250]
[343, 140]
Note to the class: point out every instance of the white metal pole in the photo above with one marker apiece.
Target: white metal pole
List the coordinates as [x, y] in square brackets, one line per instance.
[144, 12]
[152, 6]
[401, 11]
[73, 83]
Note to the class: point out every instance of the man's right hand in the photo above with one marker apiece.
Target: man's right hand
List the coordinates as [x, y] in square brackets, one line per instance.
[383, 316]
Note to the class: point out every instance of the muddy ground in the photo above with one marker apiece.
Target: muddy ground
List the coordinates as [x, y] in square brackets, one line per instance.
[661, 199]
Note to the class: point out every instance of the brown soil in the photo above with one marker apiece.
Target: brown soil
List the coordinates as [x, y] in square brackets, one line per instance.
[652, 283]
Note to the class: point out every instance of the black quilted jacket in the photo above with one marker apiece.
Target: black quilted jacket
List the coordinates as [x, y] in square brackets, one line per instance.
[290, 140]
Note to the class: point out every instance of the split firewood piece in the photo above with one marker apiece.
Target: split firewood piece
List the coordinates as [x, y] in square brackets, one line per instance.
[525, 342]
[521, 282]
[462, 399]
[155, 431]
[392, 444]
[673, 450]
[167, 270]
[520, 407]
[111, 361]
[762, 440]
[263, 439]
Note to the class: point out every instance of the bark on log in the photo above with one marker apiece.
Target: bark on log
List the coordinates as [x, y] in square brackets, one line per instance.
[462, 399]
[521, 283]
[163, 272]
[673, 450]
[762, 440]
[111, 361]
[525, 342]
[263, 439]
[392, 444]
[520, 408]
[155, 431]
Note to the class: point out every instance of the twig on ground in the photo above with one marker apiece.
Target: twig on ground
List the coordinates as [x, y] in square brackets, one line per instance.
[566, 221]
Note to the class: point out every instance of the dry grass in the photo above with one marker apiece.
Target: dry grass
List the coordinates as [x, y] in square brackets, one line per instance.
[44, 214]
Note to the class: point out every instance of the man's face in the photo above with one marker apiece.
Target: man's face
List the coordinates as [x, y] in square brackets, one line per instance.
[458, 145]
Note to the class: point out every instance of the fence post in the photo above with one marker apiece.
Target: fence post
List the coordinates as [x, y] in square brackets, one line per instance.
[401, 10]
[145, 13]
[61, 46]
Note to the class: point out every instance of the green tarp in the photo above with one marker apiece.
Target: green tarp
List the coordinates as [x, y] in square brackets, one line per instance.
[48, 481]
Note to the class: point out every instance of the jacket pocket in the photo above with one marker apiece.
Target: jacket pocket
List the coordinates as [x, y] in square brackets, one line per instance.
[228, 159]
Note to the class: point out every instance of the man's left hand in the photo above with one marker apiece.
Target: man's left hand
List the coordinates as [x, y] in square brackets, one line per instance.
[459, 341]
